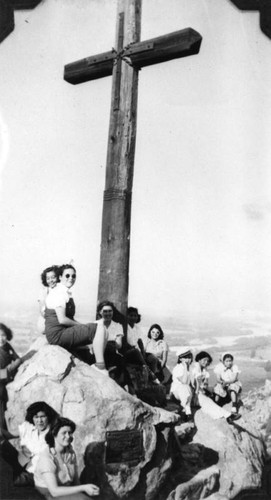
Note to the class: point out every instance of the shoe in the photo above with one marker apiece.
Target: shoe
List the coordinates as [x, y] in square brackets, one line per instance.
[103, 371]
[234, 416]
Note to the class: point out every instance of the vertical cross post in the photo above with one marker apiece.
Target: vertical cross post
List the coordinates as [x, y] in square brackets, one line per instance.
[115, 241]
[123, 63]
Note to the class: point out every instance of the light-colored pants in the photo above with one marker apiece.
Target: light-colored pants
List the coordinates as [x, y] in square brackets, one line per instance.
[183, 393]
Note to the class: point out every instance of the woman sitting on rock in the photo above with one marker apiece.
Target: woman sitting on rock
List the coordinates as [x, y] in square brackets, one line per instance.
[181, 378]
[200, 378]
[56, 474]
[134, 347]
[228, 386]
[49, 279]
[62, 329]
[156, 353]
[32, 432]
[114, 360]
[9, 364]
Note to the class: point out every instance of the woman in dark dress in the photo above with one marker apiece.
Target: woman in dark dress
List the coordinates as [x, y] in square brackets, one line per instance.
[62, 329]
[9, 364]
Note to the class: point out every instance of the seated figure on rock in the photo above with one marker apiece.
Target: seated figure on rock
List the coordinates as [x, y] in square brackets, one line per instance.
[200, 376]
[9, 364]
[39, 416]
[49, 279]
[181, 381]
[156, 353]
[113, 338]
[56, 474]
[228, 386]
[63, 330]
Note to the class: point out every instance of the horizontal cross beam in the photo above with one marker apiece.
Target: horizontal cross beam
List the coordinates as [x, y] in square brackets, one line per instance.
[7, 14]
[263, 6]
[174, 45]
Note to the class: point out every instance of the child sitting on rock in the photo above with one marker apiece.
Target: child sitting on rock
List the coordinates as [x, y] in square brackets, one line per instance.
[228, 386]
[180, 387]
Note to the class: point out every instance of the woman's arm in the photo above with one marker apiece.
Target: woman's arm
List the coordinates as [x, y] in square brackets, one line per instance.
[42, 307]
[164, 356]
[58, 491]
[118, 341]
[63, 319]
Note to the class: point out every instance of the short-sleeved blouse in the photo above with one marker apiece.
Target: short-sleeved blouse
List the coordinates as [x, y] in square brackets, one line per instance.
[64, 470]
[34, 442]
[198, 374]
[58, 297]
[156, 347]
[113, 331]
[134, 334]
[180, 371]
[227, 374]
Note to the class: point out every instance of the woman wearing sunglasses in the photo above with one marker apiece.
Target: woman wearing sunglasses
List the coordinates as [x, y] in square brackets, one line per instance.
[62, 329]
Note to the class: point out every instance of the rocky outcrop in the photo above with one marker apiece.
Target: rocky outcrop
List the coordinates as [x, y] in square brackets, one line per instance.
[240, 449]
[210, 459]
[257, 411]
[97, 405]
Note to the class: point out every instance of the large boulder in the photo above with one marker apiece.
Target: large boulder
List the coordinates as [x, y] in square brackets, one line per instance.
[177, 462]
[240, 449]
[97, 405]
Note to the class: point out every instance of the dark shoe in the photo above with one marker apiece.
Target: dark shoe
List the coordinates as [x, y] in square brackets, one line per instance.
[234, 416]
[24, 479]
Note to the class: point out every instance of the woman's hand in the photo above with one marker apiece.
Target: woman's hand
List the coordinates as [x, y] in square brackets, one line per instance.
[91, 489]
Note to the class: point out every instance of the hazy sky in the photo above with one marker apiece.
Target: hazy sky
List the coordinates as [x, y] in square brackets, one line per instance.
[201, 216]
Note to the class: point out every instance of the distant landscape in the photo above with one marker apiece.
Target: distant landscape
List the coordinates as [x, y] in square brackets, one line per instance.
[248, 338]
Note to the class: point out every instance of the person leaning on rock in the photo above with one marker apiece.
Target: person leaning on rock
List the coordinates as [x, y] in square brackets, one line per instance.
[39, 416]
[63, 330]
[56, 473]
[114, 360]
[9, 364]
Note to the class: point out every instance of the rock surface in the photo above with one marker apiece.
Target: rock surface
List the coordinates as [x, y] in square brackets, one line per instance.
[212, 459]
[97, 405]
[240, 450]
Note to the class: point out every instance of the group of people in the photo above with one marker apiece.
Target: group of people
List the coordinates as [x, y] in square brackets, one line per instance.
[111, 343]
[46, 458]
[103, 342]
[190, 385]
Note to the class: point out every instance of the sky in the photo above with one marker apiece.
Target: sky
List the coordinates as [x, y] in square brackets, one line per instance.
[201, 214]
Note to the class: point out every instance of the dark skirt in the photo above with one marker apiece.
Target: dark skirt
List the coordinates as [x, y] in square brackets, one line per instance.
[69, 337]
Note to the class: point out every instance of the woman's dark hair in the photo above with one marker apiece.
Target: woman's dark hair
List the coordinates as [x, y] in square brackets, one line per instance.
[158, 327]
[227, 355]
[7, 331]
[117, 315]
[203, 354]
[134, 310]
[188, 354]
[54, 269]
[62, 268]
[38, 406]
[55, 427]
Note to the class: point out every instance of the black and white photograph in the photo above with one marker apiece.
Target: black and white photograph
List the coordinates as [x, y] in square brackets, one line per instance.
[135, 256]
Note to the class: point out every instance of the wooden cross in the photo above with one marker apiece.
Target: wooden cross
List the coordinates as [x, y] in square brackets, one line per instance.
[124, 63]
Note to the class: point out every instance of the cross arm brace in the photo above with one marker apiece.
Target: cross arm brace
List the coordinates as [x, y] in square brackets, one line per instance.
[180, 43]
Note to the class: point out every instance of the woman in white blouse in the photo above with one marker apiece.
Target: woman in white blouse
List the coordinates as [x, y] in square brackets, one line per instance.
[56, 474]
[62, 329]
[39, 416]
[114, 360]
